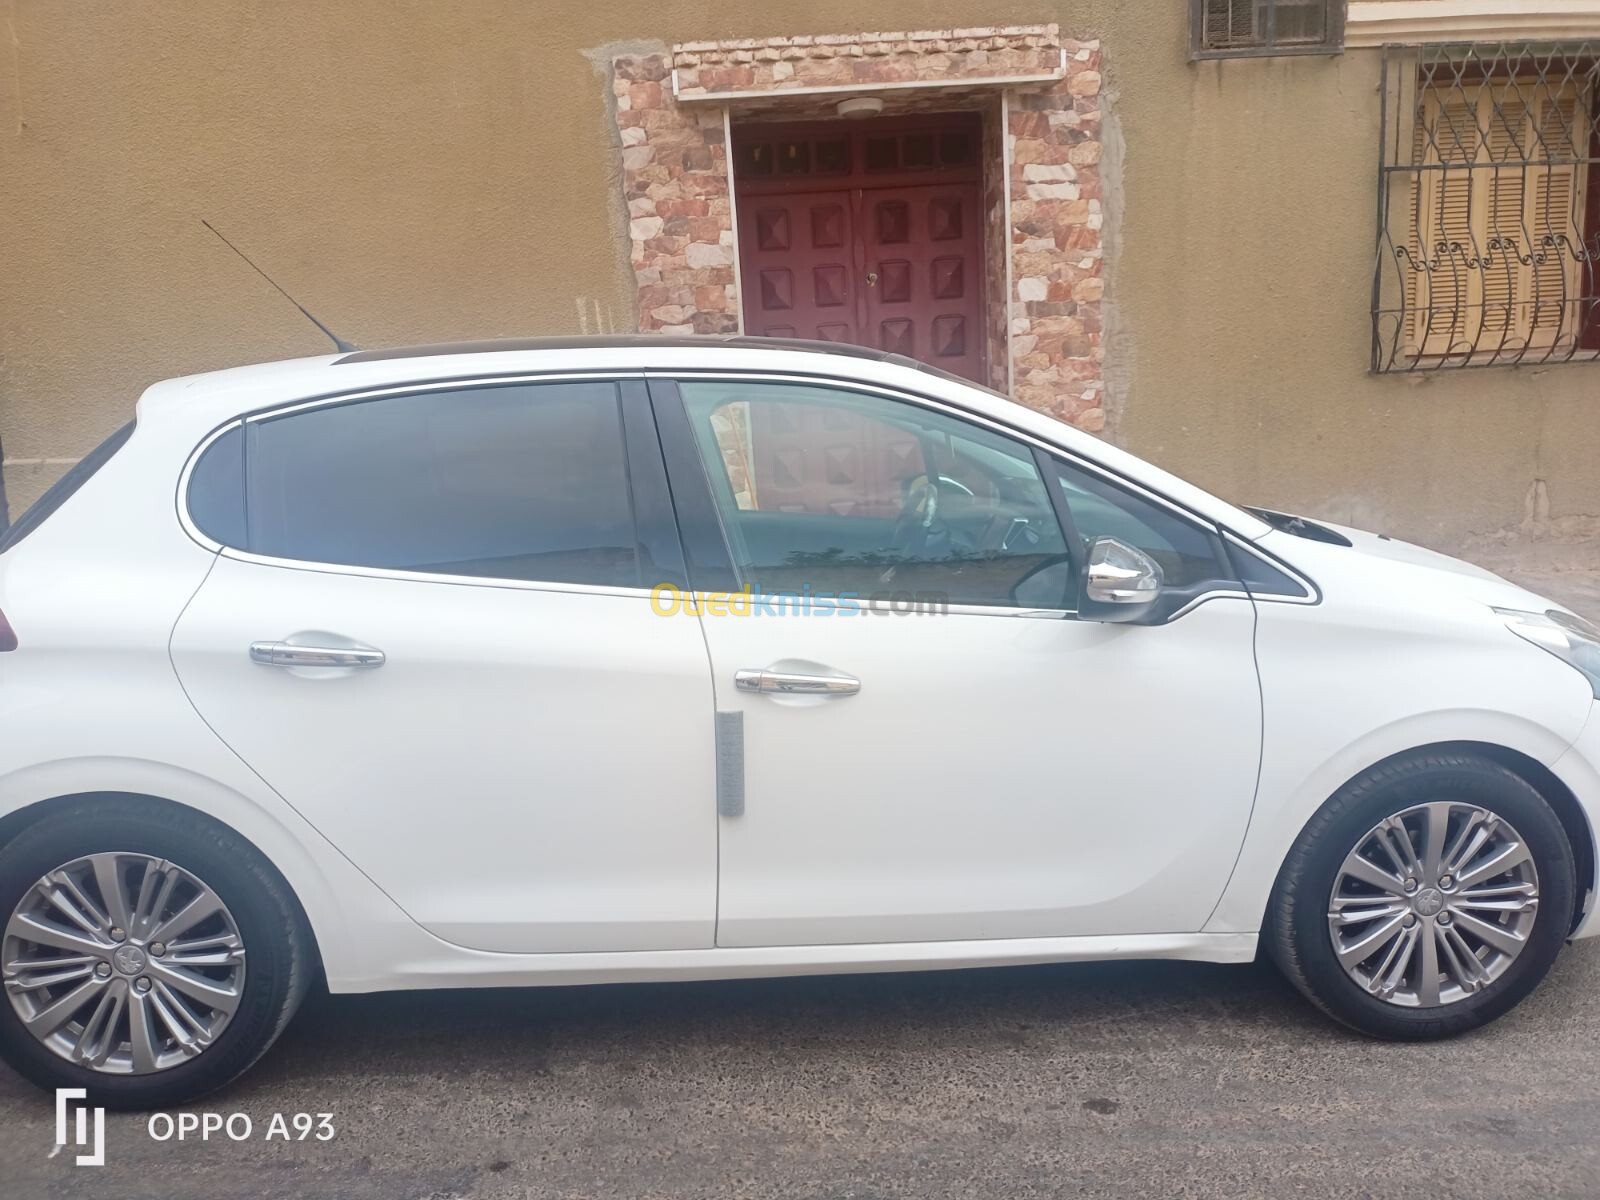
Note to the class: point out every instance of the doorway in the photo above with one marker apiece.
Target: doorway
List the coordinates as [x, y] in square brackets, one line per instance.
[867, 233]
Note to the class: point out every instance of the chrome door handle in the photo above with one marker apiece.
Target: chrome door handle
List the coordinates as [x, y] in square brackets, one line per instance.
[287, 654]
[787, 683]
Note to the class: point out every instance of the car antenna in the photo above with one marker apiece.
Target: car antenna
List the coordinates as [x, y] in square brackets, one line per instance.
[343, 346]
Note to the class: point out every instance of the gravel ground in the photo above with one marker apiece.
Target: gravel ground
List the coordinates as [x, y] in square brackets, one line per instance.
[1118, 1079]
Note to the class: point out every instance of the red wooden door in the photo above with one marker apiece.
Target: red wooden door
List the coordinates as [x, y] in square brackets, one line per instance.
[870, 234]
[799, 264]
[923, 264]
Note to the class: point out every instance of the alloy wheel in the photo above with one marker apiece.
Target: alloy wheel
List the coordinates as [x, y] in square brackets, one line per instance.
[123, 963]
[1433, 904]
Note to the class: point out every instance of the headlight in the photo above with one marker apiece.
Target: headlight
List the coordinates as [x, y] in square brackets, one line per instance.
[1569, 638]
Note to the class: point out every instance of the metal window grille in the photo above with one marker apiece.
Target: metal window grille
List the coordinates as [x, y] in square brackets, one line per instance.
[1251, 28]
[1488, 206]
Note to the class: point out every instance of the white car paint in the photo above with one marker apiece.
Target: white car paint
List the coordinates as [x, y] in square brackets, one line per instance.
[374, 804]
[1403, 651]
[1009, 791]
[527, 771]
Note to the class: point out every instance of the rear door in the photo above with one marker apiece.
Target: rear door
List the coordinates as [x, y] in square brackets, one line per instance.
[432, 634]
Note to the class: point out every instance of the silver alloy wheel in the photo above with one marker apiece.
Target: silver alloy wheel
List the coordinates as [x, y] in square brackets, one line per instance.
[123, 963]
[1433, 904]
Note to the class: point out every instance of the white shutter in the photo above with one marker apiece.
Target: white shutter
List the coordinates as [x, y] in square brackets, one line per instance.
[1414, 265]
[1505, 277]
[1451, 231]
[1555, 221]
[1487, 212]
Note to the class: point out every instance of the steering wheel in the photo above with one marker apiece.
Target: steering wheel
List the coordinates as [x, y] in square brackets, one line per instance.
[915, 527]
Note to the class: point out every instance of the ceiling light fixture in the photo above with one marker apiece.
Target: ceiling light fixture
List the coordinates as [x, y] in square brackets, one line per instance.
[859, 106]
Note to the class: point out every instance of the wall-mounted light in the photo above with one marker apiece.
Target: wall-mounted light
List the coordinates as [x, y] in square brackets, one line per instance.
[859, 106]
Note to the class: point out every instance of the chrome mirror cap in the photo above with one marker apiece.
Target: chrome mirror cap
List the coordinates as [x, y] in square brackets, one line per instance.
[1121, 577]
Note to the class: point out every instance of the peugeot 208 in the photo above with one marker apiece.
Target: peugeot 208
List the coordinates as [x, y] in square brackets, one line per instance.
[642, 659]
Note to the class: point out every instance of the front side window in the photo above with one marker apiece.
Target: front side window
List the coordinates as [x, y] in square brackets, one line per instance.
[1189, 553]
[828, 492]
[1250, 28]
[523, 482]
[1489, 232]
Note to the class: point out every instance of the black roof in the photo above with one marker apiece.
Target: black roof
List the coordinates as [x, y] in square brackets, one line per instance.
[619, 341]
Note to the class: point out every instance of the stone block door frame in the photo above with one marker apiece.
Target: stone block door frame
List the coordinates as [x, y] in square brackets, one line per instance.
[1040, 95]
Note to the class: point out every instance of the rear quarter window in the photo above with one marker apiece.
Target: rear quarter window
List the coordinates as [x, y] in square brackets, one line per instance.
[216, 490]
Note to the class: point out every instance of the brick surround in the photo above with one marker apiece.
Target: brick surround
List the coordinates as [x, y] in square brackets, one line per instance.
[680, 215]
[1057, 264]
[736, 68]
[671, 112]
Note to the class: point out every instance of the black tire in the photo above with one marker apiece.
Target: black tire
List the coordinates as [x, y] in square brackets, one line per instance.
[1297, 936]
[279, 962]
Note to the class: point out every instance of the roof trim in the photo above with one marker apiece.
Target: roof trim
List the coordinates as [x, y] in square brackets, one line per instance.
[630, 341]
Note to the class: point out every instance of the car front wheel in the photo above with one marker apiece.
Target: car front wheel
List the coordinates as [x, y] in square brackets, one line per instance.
[149, 954]
[1427, 898]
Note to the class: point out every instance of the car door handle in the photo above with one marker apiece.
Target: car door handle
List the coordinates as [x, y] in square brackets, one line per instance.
[788, 683]
[289, 654]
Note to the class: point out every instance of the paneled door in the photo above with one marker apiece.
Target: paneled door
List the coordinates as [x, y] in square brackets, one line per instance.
[871, 235]
[923, 265]
[801, 266]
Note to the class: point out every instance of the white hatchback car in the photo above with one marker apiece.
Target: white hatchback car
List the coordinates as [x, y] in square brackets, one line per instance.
[645, 658]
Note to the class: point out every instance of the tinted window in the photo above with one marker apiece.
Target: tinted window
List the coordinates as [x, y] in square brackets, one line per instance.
[842, 493]
[61, 491]
[216, 490]
[1186, 551]
[517, 482]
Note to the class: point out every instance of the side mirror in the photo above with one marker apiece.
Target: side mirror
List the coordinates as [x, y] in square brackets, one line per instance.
[1119, 582]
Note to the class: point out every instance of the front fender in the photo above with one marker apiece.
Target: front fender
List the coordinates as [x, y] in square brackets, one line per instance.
[1579, 769]
[1288, 798]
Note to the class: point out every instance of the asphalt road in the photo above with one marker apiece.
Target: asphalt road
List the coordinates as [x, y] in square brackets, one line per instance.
[1159, 1079]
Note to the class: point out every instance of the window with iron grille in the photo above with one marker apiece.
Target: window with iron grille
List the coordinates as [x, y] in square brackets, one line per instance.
[1251, 28]
[1487, 210]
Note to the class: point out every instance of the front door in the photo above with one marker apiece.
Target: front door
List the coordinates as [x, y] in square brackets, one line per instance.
[867, 235]
[435, 641]
[984, 765]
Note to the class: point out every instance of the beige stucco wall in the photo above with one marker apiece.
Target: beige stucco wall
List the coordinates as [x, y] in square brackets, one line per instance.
[442, 169]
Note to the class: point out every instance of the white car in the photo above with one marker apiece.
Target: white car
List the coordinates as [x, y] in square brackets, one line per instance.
[565, 662]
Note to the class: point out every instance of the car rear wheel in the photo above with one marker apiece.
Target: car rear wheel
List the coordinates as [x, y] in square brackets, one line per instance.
[1427, 898]
[149, 955]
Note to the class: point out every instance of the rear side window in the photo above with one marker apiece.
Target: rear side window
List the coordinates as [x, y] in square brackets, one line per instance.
[216, 490]
[517, 482]
[524, 482]
[61, 491]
